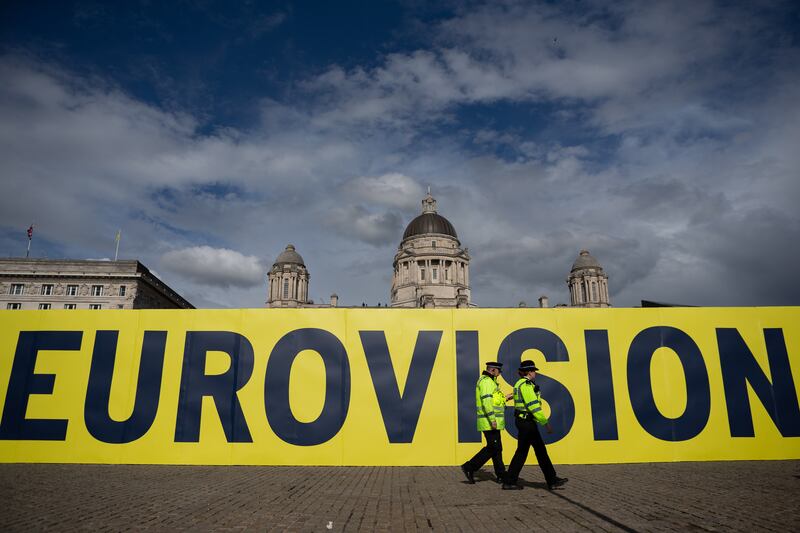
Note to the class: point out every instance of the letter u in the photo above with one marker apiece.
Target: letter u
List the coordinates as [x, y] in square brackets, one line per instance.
[98, 394]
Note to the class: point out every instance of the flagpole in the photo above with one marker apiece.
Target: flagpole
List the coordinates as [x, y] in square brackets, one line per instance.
[30, 238]
[117, 238]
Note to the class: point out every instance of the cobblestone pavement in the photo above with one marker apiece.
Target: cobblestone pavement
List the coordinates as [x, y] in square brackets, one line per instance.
[719, 496]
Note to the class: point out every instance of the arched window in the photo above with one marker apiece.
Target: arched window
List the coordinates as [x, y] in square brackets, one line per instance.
[583, 292]
[286, 288]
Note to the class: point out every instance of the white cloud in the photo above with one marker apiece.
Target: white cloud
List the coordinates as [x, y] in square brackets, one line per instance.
[217, 267]
[373, 228]
[393, 189]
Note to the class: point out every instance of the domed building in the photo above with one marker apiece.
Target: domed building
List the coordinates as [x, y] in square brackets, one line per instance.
[587, 282]
[430, 268]
[287, 282]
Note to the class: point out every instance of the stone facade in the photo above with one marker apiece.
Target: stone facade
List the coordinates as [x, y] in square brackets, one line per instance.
[431, 269]
[587, 282]
[83, 284]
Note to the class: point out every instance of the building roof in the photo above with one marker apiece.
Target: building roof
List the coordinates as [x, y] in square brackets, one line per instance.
[429, 223]
[585, 260]
[289, 256]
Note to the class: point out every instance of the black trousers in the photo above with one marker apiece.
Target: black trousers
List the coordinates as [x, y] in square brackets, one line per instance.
[528, 435]
[493, 450]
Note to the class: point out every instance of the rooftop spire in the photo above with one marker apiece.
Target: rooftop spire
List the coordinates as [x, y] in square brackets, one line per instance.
[429, 203]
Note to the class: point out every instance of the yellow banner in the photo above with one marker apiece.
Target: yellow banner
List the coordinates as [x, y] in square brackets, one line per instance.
[393, 387]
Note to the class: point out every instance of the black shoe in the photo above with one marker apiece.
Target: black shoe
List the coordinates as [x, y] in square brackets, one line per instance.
[499, 479]
[511, 486]
[468, 474]
[557, 482]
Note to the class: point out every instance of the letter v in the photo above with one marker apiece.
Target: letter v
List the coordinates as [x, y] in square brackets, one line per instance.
[400, 413]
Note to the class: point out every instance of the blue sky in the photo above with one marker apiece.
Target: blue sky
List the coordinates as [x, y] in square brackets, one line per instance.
[660, 136]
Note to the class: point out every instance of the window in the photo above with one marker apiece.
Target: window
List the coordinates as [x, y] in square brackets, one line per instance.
[47, 290]
[72, 290]
[122, 290]
[285, 288]
[422, 274]
[17, 289]
[69, 306]
[120, 306]
[594, 291]
[433, 244]
[95, 306]
[435, 274]
[446, 274]
[97, 290]
[14, 306]
[44, 306]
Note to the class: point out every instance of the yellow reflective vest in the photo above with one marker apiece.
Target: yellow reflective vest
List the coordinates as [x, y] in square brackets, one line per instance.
[527, 400]
[490, 402]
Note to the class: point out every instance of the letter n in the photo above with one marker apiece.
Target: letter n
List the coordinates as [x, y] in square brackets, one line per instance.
[739, 368]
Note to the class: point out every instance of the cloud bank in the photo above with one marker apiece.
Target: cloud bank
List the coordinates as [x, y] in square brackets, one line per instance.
[659, 136]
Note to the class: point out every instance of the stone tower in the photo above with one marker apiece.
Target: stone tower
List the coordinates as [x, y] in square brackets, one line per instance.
[588, 284]
[287, 281]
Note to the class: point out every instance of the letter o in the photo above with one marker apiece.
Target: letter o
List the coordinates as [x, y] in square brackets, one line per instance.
[698, 393]
[337, 387]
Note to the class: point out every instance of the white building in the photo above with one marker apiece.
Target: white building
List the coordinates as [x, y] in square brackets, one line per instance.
[83, 284]
[431, 269]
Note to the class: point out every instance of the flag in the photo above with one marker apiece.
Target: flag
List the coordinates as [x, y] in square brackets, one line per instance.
[30, 232]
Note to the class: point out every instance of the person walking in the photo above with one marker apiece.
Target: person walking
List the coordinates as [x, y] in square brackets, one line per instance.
[527, 413]
[491, 405]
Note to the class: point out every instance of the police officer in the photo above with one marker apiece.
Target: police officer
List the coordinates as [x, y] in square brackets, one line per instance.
[491, 405]
[527, 413]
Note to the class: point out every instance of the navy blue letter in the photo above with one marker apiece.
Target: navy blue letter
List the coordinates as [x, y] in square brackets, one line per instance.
[223, 387]
[562, 406]
[739, 368]
[24, 381]
[95, 412]
[400, 412]
[698, 393]
[601, 386]
[337, 387]
[467, 372]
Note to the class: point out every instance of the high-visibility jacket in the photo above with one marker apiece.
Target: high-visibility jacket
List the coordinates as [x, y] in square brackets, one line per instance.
[528, 401]
[490, 402]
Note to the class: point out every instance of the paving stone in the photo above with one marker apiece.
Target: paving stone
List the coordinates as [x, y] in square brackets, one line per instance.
[708, 496]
